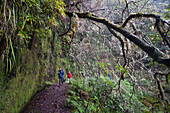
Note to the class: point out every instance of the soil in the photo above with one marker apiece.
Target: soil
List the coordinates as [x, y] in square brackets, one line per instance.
[51, 100]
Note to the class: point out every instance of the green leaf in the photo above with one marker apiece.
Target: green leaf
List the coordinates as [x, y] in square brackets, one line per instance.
[12, 49]
[48, 83]
[102, 65]
[110, 82]
[108, 64]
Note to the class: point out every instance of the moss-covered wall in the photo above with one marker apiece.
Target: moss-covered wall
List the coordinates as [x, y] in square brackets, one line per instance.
[31, 54]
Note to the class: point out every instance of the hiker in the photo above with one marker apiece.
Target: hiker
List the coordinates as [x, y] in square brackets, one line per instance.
[61, 76]
[109, 76]
[69, 76]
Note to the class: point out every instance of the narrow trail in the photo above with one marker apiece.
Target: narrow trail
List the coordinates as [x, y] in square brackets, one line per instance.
[51, 100]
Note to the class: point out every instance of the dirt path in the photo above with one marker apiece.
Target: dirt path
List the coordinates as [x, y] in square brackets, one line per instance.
[51, 100]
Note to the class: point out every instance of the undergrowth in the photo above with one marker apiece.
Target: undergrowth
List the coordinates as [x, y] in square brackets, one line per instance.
[98, 95]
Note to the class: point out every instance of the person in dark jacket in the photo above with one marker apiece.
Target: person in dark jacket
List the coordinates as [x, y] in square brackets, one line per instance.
[109, 76]
[61, 76]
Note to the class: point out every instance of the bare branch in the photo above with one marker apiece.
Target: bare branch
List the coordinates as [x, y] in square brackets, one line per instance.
[68, 29]
[97, 10]
[122, 43]
[127, 7]
[161, 91]
[76, 3]
[151, 50]
[163, 35]
[144, 5]
[146, 16]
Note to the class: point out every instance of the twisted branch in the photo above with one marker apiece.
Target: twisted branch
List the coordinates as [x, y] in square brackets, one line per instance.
[146, 16]
[161, 90]
[151, 50]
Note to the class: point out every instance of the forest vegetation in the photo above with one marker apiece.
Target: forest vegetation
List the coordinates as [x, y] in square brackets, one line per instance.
[128, 39]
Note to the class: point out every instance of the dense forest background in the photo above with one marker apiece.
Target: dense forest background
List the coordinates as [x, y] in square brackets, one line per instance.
[127, 38]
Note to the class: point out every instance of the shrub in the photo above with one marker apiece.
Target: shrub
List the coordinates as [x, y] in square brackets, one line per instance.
[98, 95]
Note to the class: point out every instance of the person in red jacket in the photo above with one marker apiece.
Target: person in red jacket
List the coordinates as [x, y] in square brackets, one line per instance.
[69, 76]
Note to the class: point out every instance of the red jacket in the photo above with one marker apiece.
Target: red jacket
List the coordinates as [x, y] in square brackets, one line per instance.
[69, 75]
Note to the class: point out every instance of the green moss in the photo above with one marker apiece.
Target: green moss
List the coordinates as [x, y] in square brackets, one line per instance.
[139, 13]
